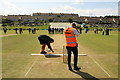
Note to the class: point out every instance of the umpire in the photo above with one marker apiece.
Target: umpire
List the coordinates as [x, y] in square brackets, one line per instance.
[71, 45]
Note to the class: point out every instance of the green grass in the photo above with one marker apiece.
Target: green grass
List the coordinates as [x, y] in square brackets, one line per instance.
[26, 27]
[103, 48]
[103, 42]
[17, 60]
[16, 52]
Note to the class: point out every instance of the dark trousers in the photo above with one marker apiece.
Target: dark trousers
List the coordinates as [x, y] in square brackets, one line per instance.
[75, 53]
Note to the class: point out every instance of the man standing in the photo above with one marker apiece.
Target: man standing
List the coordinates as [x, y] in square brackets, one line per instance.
[49, 30]
[80, 29]
[29, 29]
[16, 30]
[20, 30]
[71, 45]
[5, 30]
[107, 31]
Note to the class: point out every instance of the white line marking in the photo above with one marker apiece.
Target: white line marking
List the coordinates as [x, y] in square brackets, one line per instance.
[31, 67]
[100, 66]
[57, 54]
[56, 63]
[7, 35]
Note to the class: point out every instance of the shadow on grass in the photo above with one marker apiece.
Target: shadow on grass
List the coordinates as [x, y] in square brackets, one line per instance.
[52, 56]
[85, 75]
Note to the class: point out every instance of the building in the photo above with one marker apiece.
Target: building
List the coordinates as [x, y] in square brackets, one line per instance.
[60, 17]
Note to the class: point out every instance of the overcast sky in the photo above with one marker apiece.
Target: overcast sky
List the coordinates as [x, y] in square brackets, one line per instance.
[81, 7]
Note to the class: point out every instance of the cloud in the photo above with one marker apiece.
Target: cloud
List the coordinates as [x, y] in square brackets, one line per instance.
[10, 8]
[119, 8]
[78, 1]
[84, 12]
[8, 4]
[101, 0]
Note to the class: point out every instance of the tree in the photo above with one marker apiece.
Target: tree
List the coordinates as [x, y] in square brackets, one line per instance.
[70, 20]
[19, 20]
[51, 20]
[36, 21]
[7, 22]
[58, 16]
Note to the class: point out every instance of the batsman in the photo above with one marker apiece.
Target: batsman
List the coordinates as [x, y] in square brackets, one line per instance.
[71, 45]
